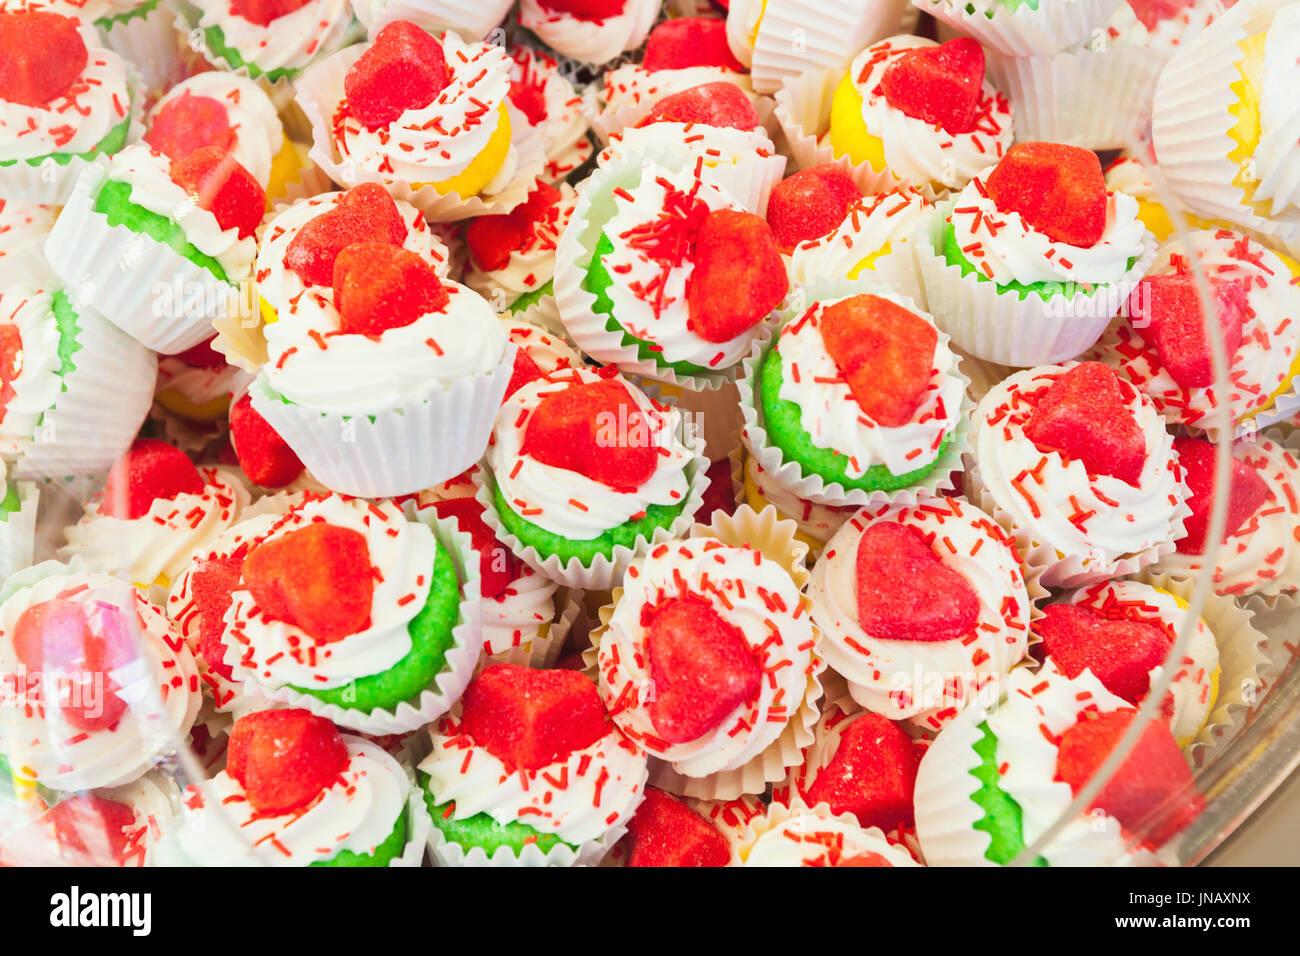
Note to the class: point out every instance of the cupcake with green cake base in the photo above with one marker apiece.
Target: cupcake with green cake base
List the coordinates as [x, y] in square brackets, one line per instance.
[17, 522]
[857, 399]
[585, 471]
[1030, 261]
[271, 42]
[529, 771]
[350, 610]
[1023, 27]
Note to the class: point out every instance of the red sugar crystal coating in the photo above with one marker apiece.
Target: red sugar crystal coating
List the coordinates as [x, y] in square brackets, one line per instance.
[595, 429]
[190, 122]
[366, 213]
[864, 859]
[149, 471]
[1084, 415]
[92, 827]
[1120, 653]
[739, 276]
[905, 593]
[211, 585]
[585, 9]
[497, 564]
[265, 457]
[884, 351]
[262, 12]
[525, 370]
[203, 355]
[720, 104]
[810, 204]
[220, 185]
[11, 364]
[666, 832]
[491, 239]
[872, 774]
[1166, 311]
[1151, 12]
[529, 100]
[284, 758]
[1153, 790]
[940, 85]
[689, 41]
[701, 665]
[1059, 190]
[318, 578]
[1247, 492]
[41, 56]
[404, 68]
[718, 496]
[529, 718]
[378, 287]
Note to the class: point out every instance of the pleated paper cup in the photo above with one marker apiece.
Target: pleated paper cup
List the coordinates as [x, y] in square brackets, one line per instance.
[396, 452]
[18, 531]
[608, 122]
[446, 853]
[946, 812]
[472, 19]
[1050, 26]
[983, 375]
[418, 828]
[544, 650]
[152, 44]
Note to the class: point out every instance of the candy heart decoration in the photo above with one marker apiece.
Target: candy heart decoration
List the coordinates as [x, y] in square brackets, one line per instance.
[265, 457]
[150, 471]
[1247, 491]
[702, 667]
[41, 56]
[93, 828]
[738, 279]
[497, 565]
[263, 12]
[585, 9]
[810, 204]
[940, 85]
[905, 593]
[318, 578]
[365, 213]
[719, 104]
[403, 69]
[203, 355]
[595, 429]
[187, 123]
[885, 353]
[491, 239]
[1166, 311]
[284, 758]
[530, 100]
[378, 287]
[11, 364]
[666, 832]
[529, 718]
[689, 41]
[1059, 190]
[525, 370]
[211, 586]
[1084, 415]
[216, 182]
[872, 774]
[1120, 653]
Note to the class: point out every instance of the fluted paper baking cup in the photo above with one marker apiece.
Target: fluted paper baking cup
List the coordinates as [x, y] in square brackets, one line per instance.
[240, 336]
[607, 123]
[18, 531]
[543, 650]
[983, 375]
[396, 452]
[796, 36]
[418, 827]
[472, 19]
[1045, 27]
[152, 44]
[898, 269]
[544, 314]
[946, 812]
[446, 853]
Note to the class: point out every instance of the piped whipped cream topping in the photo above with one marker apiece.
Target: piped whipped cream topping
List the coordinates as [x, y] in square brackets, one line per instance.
[1276, 168]
[23, 228]
[813, 839]
[548, 350]
[564, 125]
[636, 90]
[1169, 32]
[39, 381]
[744, 17]
[874, 227]
[287, 43]
[590, 41]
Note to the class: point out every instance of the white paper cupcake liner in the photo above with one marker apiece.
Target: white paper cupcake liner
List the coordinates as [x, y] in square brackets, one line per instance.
[1274, 617]
[544, 650]
[607, 123]
[946, 814]
[446, 853]
[472, 19]
[240, 335]
[1025, 31]
[395, 452]
[417, 834]
[448, 685]
[983, 375]
[796, 36]
[899, 269]
[152, 44]
[18, 531]
[545, 314]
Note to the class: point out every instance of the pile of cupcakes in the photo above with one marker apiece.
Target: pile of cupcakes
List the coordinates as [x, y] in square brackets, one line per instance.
[606, 432]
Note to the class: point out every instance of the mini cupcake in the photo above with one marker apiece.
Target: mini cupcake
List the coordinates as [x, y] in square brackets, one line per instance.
[68, 100]
[993, 782]
[858, 396]
[797, 836]
[530, 772]
[584, 471]
[1024, 27]
[589, 31]
[816, 522]
[17, 523]
[109, 688]
[276, 40]
[1035, 257]
[114, 826]
[198, 384]
[1135, 174]
[471, 19]
[554, 108]
[23, 228]
[548, 351]
[667, 831]
[512, 256]
[1077, 465]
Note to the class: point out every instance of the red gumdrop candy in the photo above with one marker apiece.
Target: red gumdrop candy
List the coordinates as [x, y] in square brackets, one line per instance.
[211, 585]
[1166, 311]
[810, 204]
[905, 593]
[203, 355]
[41, 56]
[1151, 12]
[378, 287]
[366, 213]
[702, 668]
[720, 104]
[872, 774]
[1247, 492]
[529, 718]
[666, 832]
[683, 42]
[940, 85]
[595, 429]
[318, 578]
[885, 352]
[719, 497]
[404, 69]
[1120, 653]
[864, 859]
[739, 277]
[1084, 415]
[284, 758]
[1153, 791]
[265, 457]
[151, 470]
[262, 12]
[491, 239]
[497, 565]
[223, 187]
[92, 827]
[525, 370]
[585, 9]
[1059, 190]
[11, 364]
[188, 123]
[529, 99]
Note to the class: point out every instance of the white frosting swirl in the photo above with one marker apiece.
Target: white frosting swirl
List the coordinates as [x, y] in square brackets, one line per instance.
[630, 86]
[23, 228]
[513, 617]
[153, 799]
[289, 42]
[591, 41]
[39, 382]
[744, 17]
[530, 266]
[548, 350]
[872, 226]
[812, 839]
[85, 10]
[1276, 167]
[564, 127]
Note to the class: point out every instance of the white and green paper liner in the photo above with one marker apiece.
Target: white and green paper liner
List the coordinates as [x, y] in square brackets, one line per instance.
[399, 451]
[1001, 327]
[319, 90]
[418, 823]
[1190, 120]
[472, 19]
[152, 44]
[604, 572]
[1047, 27]
[448, 685]
[18, 530]
[544, 314]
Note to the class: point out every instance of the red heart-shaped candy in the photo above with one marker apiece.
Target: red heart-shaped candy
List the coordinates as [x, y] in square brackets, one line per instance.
[1084, 415]
[905, 593]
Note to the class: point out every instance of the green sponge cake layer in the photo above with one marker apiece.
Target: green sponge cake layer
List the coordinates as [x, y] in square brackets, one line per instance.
[785, 431]
[110, 144]
[384, 854]
[1003, 819]
[431, 638]
[114, 201]
[482, 831]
